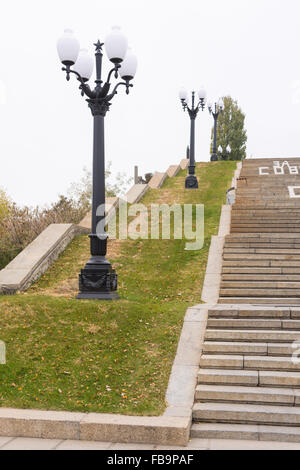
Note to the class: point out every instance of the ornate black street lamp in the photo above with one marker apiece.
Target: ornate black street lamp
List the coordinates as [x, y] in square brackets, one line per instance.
[98, 280]
[215, 109]
[191, 181]
[224, 153]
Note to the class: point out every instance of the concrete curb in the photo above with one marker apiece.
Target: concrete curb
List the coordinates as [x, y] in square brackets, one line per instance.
[93, 426]
[212, 280]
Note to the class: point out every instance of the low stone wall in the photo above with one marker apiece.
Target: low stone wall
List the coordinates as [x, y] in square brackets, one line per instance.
[136, 193]
[36, 258]
[184, 164]
[173, 170]
[112, 203]
[157, 180]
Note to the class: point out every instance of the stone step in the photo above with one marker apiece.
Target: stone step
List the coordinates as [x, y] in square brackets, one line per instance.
[255, 336]
[250, 414]
[255, 324]
[253, 312]
[262, 245]
[258, 263]
[252, 270]
[249, 349]
[261, 229]
[243, 292]
[249, 395]
[249, 378]
[229, 377]
[259, 257]
[254, 223]
[263, 237]
[245, 270]
[264, 251]
[260, 301]
[263, 264]
[259, 285]
[263, 363]
[260, 277]
[245, 432]
[284, 217]
[254, 205]
[234, 348]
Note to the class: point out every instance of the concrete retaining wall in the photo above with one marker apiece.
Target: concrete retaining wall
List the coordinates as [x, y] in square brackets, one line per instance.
[136, 193]
[184, 164]
[157, 180]
[36, 258]
[173, 170]
[112, 203]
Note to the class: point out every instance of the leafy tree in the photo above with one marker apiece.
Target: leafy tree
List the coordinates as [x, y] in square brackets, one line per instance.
[231, 130]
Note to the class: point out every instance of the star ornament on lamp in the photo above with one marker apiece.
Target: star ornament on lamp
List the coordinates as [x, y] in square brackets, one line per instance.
[98, 280]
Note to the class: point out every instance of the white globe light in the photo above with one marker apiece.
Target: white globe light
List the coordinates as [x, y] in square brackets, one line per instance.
[221, 103]
[220, 149]
[68, 48]
[228, 148]
[183, 94]
[209, 105]
[202, 94]
[116, 45]
[129, 65]
[84, 65]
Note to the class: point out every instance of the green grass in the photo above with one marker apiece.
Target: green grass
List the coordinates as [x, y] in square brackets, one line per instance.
[112, 357]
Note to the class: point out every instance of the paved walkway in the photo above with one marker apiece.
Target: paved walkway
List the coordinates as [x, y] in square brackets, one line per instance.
[20, 443]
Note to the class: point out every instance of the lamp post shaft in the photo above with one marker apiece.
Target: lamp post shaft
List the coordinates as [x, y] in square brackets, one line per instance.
[215, 134]
[192, 148]
[98, 172]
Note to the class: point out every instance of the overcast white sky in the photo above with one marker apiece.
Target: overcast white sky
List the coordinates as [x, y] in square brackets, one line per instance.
[246, 48]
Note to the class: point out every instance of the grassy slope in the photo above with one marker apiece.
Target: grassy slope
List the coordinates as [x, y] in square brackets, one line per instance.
[65, 354]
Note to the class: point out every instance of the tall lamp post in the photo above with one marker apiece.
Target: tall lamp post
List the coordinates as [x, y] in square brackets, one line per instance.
[98, 280]
[191, 181]
[215, 110]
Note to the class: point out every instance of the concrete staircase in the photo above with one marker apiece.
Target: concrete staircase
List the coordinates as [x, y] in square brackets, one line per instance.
[262, 253]
[249, 383]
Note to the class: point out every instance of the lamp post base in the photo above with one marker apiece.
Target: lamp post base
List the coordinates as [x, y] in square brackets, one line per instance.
[214, 158]
[98, 280]
[98, 296]
[191, 182]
